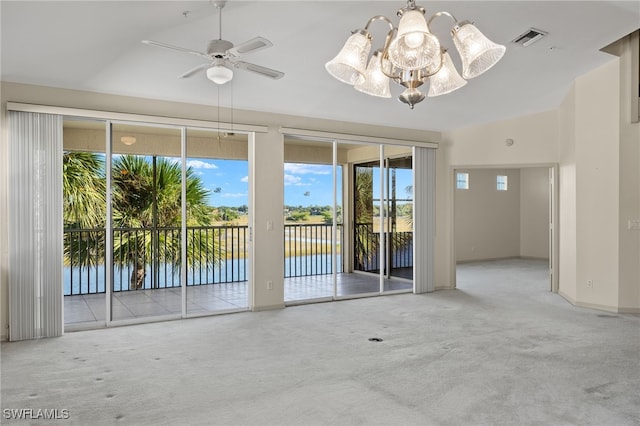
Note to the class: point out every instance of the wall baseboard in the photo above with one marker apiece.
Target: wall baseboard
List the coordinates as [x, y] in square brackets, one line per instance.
[566, 297]
[268, 307]
[448, 287]
[491, 259]
[598, 307]
[623, 310]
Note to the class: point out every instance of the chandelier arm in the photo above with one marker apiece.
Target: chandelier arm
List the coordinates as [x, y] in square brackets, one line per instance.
[439, 14]
[385, 55]
[379, 18]
[398, 79]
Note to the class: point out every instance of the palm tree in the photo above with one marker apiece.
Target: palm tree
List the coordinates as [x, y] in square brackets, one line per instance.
[147, 216]
[84, 190]
[366, 243]
[146, 209]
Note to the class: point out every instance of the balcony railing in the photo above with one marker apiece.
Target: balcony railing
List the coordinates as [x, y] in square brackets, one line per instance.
[307, 249]
[367, 242]
[148, 259]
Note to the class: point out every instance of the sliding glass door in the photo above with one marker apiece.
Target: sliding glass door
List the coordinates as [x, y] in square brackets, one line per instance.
[313, 228]
[383, 219]
[146, 207]
[84, 221]
[177, 210]
[217, 231]
[373, 241]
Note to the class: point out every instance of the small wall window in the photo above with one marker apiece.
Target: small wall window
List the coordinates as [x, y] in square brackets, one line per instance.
[501, 183]
[462, 180]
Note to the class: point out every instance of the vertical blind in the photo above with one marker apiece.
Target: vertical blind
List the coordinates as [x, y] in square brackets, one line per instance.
[35, 225]
[424, 184]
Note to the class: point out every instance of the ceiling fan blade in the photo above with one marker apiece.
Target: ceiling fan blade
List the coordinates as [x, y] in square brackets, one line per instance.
[264, 71]
[194, 70]
[179, 49]
[250, 46]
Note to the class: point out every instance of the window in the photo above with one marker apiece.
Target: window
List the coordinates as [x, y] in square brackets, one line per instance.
[501, 183]
[462, 180]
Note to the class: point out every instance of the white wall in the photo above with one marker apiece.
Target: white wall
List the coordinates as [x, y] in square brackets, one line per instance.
[597, 141]
[535, 142]
[491, 224]
[567, 198]
[534, 212]
[600, 190]
[629, 293]
[487, 221]
[266, 248]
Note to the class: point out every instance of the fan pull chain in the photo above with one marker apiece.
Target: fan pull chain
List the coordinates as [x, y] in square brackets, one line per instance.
[218, 110]
[232, 106]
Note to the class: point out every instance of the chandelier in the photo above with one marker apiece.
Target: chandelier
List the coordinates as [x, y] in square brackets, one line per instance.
[412, 55]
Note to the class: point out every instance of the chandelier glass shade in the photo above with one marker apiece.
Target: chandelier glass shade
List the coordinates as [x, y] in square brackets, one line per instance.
[414, 47]
[374, 82]
[351, 63]
[413, 56]
[446, 80]
[477, 52]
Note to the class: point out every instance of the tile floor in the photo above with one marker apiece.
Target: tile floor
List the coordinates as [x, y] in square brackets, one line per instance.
[216, 297]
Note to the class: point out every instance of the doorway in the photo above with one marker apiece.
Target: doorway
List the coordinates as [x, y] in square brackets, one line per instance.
[505, 213]
[383, 219]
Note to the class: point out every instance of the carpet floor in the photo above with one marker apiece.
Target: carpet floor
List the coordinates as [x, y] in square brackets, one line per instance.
[499, 350]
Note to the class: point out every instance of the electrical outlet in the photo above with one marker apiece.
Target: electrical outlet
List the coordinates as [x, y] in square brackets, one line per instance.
[590, 283]
[634, 224]
[269, 285]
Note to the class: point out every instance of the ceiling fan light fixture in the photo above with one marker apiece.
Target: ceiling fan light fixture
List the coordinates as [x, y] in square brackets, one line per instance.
[219, 74]
[222, 55]
[412, 55]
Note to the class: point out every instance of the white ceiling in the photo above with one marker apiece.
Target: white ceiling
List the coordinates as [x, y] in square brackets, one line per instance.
[95, 46]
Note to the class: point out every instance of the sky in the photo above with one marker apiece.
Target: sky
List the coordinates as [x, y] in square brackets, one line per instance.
[305, 184]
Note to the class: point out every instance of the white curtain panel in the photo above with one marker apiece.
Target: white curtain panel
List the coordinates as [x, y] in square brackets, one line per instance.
[424, 193]
[35, 225]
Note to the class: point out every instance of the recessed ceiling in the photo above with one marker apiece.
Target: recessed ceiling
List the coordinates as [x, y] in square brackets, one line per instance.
[95, 46]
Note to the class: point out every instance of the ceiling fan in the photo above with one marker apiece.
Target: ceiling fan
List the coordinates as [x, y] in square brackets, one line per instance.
[222, 55]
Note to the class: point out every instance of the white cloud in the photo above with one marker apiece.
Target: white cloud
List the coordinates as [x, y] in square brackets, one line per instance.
[307, 169]
[291, 180]
[245, 179]
[197, 164]
[235, 195]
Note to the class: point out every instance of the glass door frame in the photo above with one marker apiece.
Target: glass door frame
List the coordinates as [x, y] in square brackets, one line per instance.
[109, 243]
[334, 227]
[383, 254]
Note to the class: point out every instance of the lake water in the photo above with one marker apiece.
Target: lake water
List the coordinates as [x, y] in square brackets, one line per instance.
[92, 280]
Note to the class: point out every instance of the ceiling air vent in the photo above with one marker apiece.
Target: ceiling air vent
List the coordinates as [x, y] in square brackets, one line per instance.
[529, 37]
